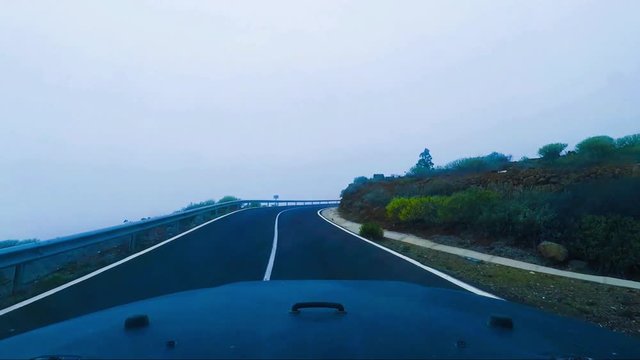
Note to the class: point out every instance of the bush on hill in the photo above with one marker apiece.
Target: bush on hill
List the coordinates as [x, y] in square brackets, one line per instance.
[491, 162]
[609, 243]
[552, 151]
[596, 147]
[585, 199]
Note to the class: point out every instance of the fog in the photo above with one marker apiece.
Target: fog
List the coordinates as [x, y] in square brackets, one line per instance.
[119, 110]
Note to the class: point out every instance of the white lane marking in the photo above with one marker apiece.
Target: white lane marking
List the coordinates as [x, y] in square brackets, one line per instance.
[416, 263]
[272, 257]
[101, 270]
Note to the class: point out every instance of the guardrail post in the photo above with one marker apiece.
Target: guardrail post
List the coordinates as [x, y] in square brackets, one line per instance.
[132, 243]
[17, 278]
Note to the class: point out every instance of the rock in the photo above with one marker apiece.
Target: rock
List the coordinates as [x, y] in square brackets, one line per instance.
[554, 251]
[577, 265]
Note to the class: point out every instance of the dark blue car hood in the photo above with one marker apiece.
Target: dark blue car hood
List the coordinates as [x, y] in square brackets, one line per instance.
[383, 320]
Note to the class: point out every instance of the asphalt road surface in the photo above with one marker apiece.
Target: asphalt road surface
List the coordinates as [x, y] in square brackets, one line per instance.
[235, 248]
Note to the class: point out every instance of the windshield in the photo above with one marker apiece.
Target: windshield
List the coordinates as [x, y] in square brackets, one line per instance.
[491, 148]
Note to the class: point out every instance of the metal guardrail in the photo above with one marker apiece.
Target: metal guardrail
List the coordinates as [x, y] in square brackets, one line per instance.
[15, 256]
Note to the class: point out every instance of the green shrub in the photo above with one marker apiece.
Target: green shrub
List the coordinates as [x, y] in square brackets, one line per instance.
[462, 208]
[628, 141]
[428, 210]
[523, 217]
[417, 171]
[465, 208]
[416, 210]
[596, 147]
[471, 164]
[228, 198]
[396, 206]
[552, 151]
[198, 205]
[611, 243]
[371, 231]
[599, 197]
[493, 161]
[628, 148]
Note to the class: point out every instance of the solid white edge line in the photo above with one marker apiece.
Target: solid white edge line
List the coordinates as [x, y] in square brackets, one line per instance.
[274, 247]
[416, 263]
[110, 266]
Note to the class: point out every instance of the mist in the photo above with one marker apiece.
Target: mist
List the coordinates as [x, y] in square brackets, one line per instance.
[121, 110]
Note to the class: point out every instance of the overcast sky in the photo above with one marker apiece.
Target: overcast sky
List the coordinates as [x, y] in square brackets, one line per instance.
[117, 110]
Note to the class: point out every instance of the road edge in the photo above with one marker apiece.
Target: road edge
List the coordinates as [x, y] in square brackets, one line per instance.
[438, 273]
[57, 289]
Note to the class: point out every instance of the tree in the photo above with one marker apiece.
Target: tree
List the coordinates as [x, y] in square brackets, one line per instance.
[360, 180]
[424, 164]
[597, 147]
[228, 198]
[425, 160]
[491, 162]
[628, 141]
[552, 151]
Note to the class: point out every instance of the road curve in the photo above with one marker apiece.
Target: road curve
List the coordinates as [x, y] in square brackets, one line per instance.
[235, 248]
[309, 248]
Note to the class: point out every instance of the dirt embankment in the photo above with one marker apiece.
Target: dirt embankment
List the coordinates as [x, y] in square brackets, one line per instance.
[358, 203]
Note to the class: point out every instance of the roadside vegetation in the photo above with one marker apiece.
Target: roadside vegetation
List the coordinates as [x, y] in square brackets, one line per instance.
[200, 204]
[224, 199]
[371, 231]
[578, 206]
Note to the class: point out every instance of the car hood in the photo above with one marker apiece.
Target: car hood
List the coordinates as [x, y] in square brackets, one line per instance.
[382, 319]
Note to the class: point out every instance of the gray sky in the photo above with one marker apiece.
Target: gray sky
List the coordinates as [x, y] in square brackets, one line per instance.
[123, 109]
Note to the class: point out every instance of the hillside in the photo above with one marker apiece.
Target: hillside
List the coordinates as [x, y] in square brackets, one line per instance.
[582, 204]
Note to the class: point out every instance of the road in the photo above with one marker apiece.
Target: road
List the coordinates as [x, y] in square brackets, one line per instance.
[235, 248]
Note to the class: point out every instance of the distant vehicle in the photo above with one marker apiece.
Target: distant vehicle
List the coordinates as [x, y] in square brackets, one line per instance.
[321, 319]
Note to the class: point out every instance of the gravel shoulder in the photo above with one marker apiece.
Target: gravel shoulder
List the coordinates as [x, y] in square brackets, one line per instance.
[612, 307]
